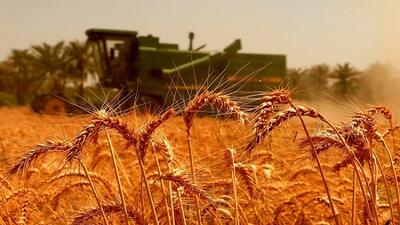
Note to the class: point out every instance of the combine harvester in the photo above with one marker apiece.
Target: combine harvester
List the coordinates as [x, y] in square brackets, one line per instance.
[144, 67]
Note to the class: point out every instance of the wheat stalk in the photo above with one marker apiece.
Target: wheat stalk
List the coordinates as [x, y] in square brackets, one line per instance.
[219, 101]
[386, 188]
[120, 187]
[189, 188]
[315, 114]
[381, 140]
[231, 156]
[162, 184]
[94, 191]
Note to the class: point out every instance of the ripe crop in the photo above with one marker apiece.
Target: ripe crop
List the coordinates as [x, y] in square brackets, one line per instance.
[279, 162]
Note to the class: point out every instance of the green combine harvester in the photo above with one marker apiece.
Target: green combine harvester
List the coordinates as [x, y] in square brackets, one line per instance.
[153, 71]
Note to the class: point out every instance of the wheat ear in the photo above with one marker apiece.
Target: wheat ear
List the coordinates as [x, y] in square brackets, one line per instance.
[108, 209]
[38, 152]
[266, 109]
[222, 103]
[387, 113]
[56, 199]
[189, 188]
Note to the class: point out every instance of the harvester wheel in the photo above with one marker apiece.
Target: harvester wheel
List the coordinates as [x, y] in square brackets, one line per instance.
[54, 106]
[149, 104]
[48, 105]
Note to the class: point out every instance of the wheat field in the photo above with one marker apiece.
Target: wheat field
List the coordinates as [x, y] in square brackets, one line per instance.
[280, 162]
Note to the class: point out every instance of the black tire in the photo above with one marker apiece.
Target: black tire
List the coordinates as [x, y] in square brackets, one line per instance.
[149, 104]
[49, 105]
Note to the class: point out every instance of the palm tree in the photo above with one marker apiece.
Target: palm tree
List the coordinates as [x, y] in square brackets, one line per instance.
[295, 76]
[80, 62]
[346, 78]
[23, 75]
[6, 76]
[317, 77]
[50, 61]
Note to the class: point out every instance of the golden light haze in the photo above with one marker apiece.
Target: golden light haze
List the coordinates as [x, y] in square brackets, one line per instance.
[308, 32]
[389, 32]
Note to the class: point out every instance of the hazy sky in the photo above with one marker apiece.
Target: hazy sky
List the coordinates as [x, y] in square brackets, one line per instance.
[307, 31]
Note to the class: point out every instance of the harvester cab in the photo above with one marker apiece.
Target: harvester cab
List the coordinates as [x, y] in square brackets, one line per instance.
[116, 55]
[148, 67]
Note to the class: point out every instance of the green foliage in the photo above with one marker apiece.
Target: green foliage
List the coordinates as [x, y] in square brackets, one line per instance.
[51, 62]
[24, 77]
[379, 82]
[6, 76]
[346, 79]
[310, 81]
[7, 99]
[80, 63]
[45, 68]
[317, 77]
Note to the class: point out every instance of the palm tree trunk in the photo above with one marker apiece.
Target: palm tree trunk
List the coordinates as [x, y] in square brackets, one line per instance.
[81, 86]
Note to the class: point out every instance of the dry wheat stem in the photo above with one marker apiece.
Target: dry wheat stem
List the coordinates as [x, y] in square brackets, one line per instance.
[386, 188]
[284, 116]
[356, 164]
[94, 191]
[171, 197]
[373, 184]
[353, 205]
[382, 141]
[163, 189]
[148, 191]
[127, 134]
[120, 188]
[221, 102]
[178, 191]
[142, 143]
[192, 169]
[231, 153]
[335, 214]
[367, 122]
